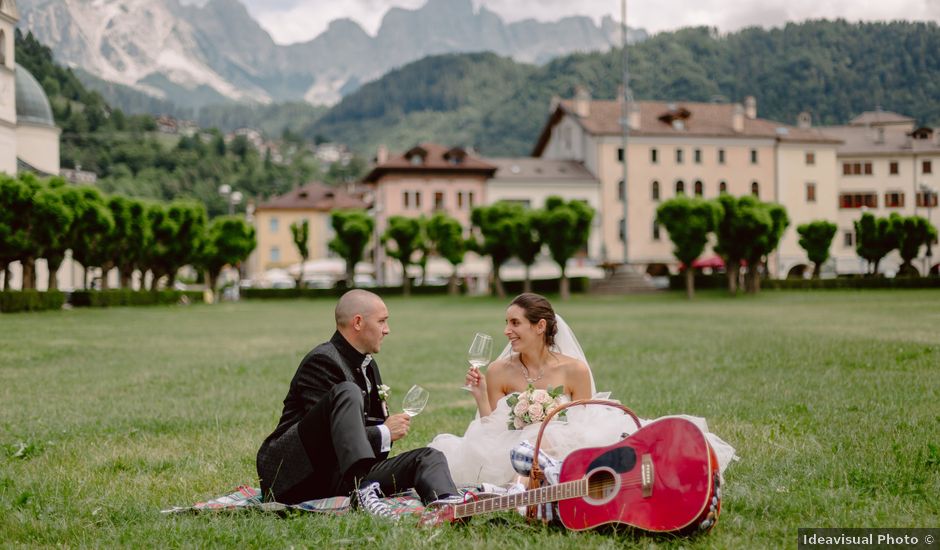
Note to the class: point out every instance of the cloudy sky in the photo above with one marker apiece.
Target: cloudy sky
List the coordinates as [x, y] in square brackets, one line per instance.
[291, 21]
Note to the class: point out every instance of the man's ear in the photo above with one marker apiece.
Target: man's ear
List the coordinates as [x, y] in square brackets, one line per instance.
[356, 322]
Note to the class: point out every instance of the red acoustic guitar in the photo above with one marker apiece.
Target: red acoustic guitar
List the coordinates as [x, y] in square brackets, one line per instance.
[663, 479]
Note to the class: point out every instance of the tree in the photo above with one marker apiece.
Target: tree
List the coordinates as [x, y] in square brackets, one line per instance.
[49, 222]
[15, 197]
[190, 220]
[136, 240]
[565, 228]
[407, 236]
[353, 230]
[228, 241]
[875, 238]
[497, 224]
[911, 232]
[300, 232]
[445, 236]
[689, 222]
[91, 226]
[816, 239]
[760, 247]
[742, 222]
[163, 231]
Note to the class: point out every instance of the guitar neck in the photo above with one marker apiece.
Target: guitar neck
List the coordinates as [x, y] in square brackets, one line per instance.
[542, 495]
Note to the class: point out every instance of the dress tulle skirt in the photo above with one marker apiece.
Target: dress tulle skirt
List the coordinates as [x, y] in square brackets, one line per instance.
[482, 454]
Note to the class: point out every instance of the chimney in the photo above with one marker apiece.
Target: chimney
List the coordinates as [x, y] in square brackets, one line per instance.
[582, 102]
[737, 118]
[633, 116]
[804, 120]
[381, 156]
[750, 107]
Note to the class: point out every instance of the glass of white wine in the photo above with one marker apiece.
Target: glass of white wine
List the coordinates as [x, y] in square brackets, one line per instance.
[415, 400]
[480, 352]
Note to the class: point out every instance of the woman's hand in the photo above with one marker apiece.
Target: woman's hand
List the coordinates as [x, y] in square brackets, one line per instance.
[476, 383]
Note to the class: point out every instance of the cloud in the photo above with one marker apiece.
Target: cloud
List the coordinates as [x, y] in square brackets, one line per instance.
[291, 21]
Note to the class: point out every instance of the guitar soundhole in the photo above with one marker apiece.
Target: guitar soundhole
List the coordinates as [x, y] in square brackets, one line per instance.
[602, 485]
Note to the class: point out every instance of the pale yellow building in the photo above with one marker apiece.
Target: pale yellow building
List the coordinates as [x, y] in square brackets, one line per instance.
[699, 149]
[272, 220]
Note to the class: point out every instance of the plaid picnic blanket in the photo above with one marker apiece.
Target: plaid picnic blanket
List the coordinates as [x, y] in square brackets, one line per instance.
[245, 497]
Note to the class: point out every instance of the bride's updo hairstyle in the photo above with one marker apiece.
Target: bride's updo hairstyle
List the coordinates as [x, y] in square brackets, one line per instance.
[536, 308]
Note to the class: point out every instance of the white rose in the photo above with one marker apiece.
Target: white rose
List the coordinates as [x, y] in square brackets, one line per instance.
[541, 397]
[536, 412]
[524, 399]
[520, 408]
[518, 423]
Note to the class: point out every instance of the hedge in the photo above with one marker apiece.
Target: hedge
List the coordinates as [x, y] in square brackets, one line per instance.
[543, 286]
[13, 301]
[126, 297]
[677, 282]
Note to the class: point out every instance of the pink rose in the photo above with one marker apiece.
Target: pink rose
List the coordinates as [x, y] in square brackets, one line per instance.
[520, 408]
[518, 423]
[536, 412]
[541, 397]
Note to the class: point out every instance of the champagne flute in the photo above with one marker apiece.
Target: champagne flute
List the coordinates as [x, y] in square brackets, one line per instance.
[480, 352]
[415, 400]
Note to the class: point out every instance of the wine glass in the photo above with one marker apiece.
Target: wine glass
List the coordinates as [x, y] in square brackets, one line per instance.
[415, 400]
[480, 352]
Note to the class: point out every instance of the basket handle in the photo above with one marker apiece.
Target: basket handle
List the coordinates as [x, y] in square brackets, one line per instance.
[536, 475]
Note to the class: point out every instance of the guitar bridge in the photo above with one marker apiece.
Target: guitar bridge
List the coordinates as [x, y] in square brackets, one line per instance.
[646, 475]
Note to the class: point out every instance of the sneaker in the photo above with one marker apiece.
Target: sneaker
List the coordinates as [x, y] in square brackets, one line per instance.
[452, 500]
[369, 498]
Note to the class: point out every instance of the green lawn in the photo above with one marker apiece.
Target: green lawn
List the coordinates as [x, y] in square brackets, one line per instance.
[108, 416]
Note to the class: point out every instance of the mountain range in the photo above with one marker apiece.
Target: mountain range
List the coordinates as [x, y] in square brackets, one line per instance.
[198, 54]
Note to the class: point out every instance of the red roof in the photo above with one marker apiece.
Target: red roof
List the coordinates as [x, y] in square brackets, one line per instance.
[314, 196]
[427, 158]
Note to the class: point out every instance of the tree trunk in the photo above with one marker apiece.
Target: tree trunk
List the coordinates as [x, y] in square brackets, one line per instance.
[3, 278]
[53, 272]
[29, 274]
[817, 267]
[211, 280]
[405, 282]
[452, 284]
[105, 269]
[424, 274]
[527, 284]
[689, 282]
[498, 283]
[874, 271]
[565, 288]
[350, 275]
[127, 275]
[733, 272]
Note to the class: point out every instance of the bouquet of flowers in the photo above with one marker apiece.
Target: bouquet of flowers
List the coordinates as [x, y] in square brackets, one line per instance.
[533, 405]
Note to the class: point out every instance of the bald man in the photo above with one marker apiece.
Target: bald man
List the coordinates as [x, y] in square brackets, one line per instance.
[335, 432]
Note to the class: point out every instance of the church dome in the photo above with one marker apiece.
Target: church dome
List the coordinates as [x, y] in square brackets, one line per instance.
[32, 105]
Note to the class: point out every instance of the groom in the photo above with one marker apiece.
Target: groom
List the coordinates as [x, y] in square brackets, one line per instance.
[335, 432]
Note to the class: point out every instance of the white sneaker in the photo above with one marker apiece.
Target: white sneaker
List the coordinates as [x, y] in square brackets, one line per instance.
[369, 498]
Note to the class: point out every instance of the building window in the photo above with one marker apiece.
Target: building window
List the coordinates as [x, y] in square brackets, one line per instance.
[810, 192]
[620, 154]
[459, 199]
[893, 168]
[654, 155]
[722, 186]
[810, 158]
[755, 189]
[623, 230]
[406, 199]
[679, 156]
[927, 167]
[3, 47]
[858, 200]
[753, 156]
[621, 190]
[698, 156]
[470, 199]
[894, 199]
[848, 239]
[699, 188]
[655, 231]
[721, 156]
[416, 160]
[417, 199]
[275, 254]
[438, 200]
[928, 200]
[273, 225]
[680, 187]
[654, 191]
[856, 168]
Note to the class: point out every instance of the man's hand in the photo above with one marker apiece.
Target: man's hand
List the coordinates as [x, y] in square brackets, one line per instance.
[398, 425]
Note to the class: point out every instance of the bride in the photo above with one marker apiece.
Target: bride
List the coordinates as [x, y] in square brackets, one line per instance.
[543, 353]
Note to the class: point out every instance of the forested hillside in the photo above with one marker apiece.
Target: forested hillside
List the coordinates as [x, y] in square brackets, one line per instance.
[833, 69]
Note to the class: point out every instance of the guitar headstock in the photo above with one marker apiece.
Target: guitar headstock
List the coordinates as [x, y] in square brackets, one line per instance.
[436, 515]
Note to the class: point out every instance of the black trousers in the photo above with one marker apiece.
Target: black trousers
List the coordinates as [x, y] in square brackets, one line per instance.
[328, 452]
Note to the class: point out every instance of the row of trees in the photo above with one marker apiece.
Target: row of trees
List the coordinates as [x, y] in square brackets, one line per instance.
[46, 218]
[502, 231]
[747, 230]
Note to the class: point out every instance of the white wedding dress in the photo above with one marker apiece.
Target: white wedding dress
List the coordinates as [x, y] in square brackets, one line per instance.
[482, 454]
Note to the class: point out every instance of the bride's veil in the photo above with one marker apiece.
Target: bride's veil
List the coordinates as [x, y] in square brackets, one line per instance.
[565, 343]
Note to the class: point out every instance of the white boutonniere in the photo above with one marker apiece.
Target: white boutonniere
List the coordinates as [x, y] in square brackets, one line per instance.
[384, 391]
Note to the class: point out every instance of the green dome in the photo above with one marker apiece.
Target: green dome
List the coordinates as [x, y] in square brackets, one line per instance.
[32, 105]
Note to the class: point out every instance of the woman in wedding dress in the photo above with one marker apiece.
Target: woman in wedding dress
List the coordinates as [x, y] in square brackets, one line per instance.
[543, 353]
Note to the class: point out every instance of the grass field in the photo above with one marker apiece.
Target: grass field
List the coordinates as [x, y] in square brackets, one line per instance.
[109, 416]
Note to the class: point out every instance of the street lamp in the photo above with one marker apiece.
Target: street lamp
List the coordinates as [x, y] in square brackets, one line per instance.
[231, 197]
